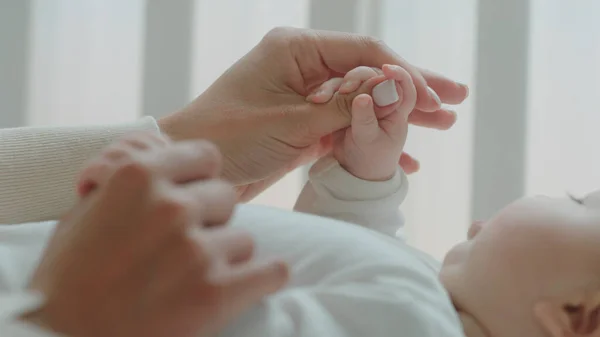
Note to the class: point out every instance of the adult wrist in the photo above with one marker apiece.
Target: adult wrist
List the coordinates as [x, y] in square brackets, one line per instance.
[195, 121]
[167, 127]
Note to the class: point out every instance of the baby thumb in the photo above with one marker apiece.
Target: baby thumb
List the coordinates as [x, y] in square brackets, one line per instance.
[365, 125]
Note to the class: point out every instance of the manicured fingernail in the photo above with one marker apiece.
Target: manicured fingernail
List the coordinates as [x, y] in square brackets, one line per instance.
[453, 113]
[434, 96]
[349, 86]
[464, 86]
[385, 93]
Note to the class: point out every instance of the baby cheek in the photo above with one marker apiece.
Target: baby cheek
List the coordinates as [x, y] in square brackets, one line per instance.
[457, 255]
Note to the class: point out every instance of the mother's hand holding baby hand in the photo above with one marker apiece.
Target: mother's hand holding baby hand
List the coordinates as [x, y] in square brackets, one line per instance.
[258, 115]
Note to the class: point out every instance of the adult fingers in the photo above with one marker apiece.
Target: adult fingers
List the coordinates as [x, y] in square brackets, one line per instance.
[450, 92]
[197, 252]
[186, 161]
[181, 162]
[173, 261]
[233, 245]
[210, 202]
[406, 89]
[100, 167]
[442, 119]
[247, 284]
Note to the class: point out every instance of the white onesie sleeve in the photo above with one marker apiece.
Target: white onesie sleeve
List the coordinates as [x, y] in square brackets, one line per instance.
[334, 193]
[12, 305]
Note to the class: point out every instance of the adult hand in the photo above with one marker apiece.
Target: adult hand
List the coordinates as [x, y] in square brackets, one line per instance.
[134, 257]
[257, 112]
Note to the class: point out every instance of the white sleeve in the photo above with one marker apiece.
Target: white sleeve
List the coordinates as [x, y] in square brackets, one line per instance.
[378, 302]
[13, 305]
[334, 193]
[39, 166]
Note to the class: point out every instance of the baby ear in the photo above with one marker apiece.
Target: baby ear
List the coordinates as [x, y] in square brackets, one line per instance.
[568, 319]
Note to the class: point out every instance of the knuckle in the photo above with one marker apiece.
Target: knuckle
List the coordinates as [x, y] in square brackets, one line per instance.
[116, 152]
[281, 38]
[371, 42]
[133, 173]
[95, 168]
[276, 33]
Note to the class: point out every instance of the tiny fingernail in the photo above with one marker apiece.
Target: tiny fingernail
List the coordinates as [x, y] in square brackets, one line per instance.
[434, 96]
[363, 101]
[464, 86]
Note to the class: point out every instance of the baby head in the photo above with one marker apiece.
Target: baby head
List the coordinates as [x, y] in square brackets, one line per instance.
[533, 270]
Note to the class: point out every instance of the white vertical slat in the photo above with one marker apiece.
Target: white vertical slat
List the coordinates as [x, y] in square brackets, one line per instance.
[167, 73]
[14, 61]
[499, 144]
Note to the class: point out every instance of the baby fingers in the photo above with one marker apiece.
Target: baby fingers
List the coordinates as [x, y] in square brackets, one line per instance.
[356, 76]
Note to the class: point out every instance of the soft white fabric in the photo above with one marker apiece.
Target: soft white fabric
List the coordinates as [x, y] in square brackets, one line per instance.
[20, 248]
[347, 281]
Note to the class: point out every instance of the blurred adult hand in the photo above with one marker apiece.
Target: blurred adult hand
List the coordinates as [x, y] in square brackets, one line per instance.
[145, 252]
[258, 115]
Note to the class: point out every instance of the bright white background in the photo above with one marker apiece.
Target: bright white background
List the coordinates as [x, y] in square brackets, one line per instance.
[86, 65]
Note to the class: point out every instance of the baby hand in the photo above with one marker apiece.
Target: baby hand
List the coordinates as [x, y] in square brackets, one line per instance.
[371, 147]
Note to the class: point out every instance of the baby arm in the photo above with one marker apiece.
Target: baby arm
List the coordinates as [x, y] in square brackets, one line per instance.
[361, 181]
